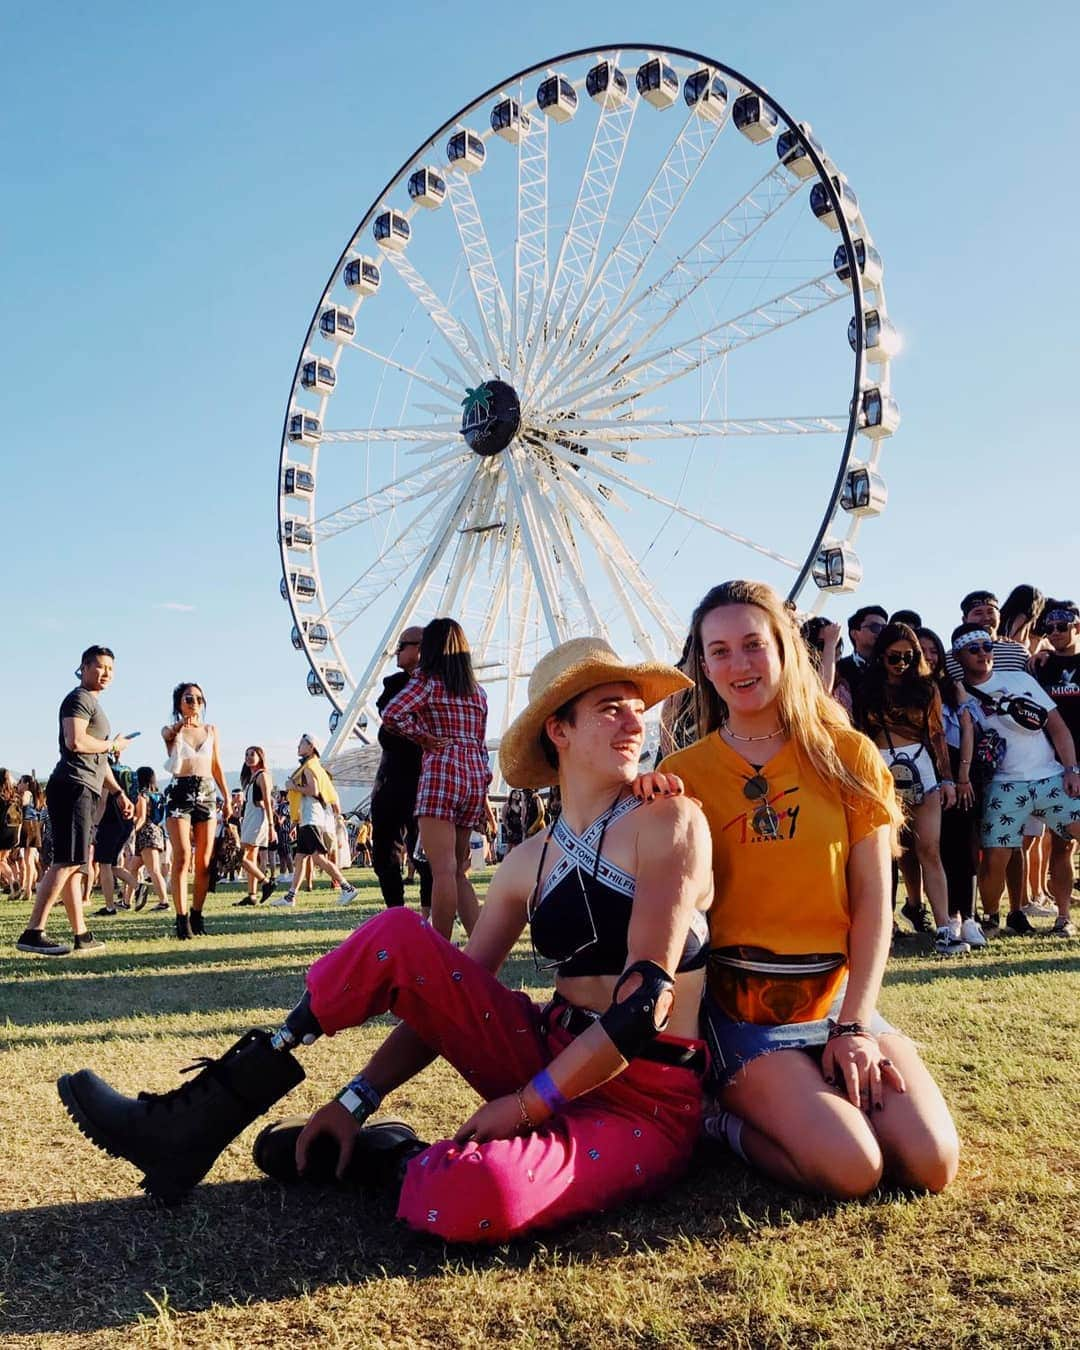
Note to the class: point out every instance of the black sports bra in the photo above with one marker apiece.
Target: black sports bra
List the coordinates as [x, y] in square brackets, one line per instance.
[581, 919]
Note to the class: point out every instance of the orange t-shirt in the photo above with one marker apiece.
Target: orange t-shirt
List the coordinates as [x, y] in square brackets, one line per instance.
[785, 895]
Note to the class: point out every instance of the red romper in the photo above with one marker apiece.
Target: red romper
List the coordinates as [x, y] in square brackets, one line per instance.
[453, 781]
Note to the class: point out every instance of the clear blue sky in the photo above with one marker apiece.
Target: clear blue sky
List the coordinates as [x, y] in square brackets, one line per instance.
[179, 180]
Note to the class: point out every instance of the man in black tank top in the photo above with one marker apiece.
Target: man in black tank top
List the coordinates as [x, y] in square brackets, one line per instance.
[393, 801]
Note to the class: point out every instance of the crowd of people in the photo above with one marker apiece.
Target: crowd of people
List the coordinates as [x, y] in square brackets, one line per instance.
[717, 928]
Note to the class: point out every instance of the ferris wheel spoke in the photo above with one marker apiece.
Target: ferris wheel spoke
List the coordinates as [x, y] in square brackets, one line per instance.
[410, 603]
[609, 475]
[477, 521]
[576, 261]
[451, 392]
[557, 528]
[600, 432]
[659, 367]
[518, 619]
[621, 569]
[530, 247]
[534, 549]
[483, 276]
[704, 259]
[654, 212]
[390, 497]
[458, 339]
[431, 433]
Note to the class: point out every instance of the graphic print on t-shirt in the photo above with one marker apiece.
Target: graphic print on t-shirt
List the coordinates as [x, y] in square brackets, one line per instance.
[785, 815]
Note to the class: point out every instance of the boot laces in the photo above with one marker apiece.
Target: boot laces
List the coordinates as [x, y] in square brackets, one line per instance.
[205, 1065]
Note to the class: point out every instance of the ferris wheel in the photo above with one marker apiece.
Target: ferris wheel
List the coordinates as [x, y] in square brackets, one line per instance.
[615, 332]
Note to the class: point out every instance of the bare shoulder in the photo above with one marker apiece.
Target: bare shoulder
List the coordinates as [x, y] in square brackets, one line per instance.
[671, 820]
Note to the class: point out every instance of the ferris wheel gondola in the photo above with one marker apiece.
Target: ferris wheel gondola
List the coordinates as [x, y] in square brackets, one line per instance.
[591, 343]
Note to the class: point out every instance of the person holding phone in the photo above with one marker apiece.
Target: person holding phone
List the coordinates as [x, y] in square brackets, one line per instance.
[81, 775]
[190, 816]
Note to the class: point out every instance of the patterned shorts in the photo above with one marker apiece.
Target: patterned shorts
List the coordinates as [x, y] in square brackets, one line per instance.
[453, 786]
[1009, 805]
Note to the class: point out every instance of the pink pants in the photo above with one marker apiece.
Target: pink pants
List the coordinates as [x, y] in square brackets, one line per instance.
[630, 1135]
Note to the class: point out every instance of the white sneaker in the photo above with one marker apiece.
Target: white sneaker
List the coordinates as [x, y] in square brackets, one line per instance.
[349, 893]
[1039, 910]
[972, 934]
[947, 944]
[285, 902]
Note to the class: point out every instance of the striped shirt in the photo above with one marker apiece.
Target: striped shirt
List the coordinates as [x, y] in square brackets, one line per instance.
[1007, 656]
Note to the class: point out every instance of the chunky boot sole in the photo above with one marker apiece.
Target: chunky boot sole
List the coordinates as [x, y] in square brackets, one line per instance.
[175, 1138]
[169, 1186]
[382, 1150]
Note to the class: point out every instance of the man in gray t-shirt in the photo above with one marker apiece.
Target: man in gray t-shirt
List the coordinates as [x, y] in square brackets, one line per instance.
[72, 793]
[81, 766]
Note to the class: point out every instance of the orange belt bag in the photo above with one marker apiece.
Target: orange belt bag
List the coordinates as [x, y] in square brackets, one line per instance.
[753, 984]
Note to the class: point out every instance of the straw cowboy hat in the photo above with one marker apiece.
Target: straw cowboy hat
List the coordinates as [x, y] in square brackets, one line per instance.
[569, 670]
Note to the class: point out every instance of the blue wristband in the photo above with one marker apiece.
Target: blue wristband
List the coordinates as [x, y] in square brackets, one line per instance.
[544, 1087]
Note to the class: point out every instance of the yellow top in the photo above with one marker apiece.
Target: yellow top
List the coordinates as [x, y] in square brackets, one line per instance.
[786, 894]
[323, 782]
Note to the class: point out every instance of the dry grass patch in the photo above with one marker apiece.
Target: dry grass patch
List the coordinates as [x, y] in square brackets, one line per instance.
[724, 1259]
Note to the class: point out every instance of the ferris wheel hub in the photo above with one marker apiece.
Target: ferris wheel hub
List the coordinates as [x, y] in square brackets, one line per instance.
[491, 418]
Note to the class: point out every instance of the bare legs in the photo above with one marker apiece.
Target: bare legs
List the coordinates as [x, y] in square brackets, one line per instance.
[191, 843]
[926, 831]
[447, 849]
[805, 1134]
[54, 881]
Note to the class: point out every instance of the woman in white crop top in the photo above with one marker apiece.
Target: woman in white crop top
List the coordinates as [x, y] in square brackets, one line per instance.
[190, 814]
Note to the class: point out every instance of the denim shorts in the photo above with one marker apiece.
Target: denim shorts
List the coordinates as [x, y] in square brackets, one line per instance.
[733, 1045]
[195, 798]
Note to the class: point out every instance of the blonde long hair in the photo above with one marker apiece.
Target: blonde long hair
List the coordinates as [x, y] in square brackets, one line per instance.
[809, 717]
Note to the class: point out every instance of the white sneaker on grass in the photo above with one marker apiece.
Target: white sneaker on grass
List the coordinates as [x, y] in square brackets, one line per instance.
[948, 943]
[286, 901]
[1039, 909]
[972, 934]
[349, 893]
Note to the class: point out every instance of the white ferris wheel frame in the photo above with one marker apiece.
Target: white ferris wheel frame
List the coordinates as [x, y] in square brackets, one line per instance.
[596, 306]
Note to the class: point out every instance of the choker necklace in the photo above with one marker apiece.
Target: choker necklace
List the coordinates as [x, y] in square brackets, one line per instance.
[736, 737]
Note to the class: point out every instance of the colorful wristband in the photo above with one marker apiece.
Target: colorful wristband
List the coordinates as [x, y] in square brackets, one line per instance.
[545, 1088]
[359, 1098]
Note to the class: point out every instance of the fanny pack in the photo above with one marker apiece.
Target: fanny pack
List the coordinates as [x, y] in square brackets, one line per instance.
[1025, 712]
[753, 984]
[907, 780]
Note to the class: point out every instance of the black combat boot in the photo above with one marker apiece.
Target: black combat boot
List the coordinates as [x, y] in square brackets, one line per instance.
[379, 1158]
[174, 1137]
[183, 926]
[198, 928]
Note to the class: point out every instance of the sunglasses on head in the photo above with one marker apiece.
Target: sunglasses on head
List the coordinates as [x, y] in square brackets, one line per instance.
[1057, 627]
[900, 658]
[765, 822]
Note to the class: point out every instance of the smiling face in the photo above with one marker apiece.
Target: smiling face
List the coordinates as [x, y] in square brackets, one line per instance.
[741, 657]
[986, 614]
[1064, 637]
[191, 701]
[606, 734]
[929, 651]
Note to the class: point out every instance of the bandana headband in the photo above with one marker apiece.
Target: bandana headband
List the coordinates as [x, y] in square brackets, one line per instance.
[969, 639]
[1062, 616]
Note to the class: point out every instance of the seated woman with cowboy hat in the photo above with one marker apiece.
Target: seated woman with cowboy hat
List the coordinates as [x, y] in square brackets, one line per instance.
[590, 1099]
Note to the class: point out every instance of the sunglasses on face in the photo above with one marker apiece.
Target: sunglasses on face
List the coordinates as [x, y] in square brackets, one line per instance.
[1056, 627]
[192, 698]
[900, 658]
[985, 647]
[402, 645]
[765, 822]
[874, 628]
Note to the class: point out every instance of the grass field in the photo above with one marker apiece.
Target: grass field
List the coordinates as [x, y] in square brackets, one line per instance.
[723, 1260]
